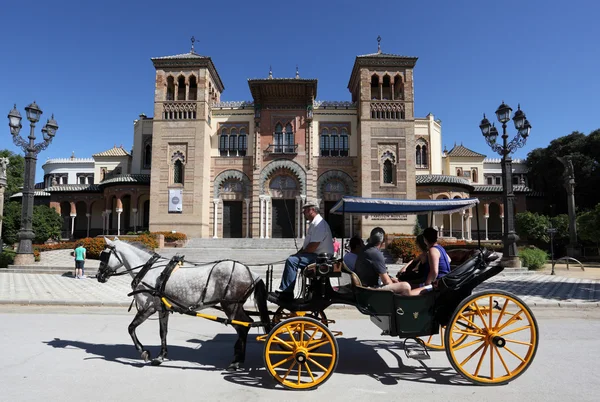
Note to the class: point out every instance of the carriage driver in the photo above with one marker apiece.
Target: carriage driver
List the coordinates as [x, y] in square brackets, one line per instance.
[318, 240]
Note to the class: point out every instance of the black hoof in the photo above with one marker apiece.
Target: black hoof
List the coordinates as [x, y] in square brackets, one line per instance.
[146, 355]
[235, 366]
[156, 362]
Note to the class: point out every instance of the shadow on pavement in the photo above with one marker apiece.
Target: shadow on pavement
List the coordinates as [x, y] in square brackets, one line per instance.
[588, 291]
[356, 357]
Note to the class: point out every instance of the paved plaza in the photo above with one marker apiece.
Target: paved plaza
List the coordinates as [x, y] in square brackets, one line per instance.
[573, 288]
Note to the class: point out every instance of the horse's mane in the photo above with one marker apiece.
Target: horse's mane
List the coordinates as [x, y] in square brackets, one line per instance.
[140, 246]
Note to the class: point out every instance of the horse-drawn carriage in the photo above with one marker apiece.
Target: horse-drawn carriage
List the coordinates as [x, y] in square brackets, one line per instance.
[490, 337]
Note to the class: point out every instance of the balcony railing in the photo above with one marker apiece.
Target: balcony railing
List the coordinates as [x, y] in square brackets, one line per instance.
[179, 110]
[334, 152]
[387, 110]
[282, 149]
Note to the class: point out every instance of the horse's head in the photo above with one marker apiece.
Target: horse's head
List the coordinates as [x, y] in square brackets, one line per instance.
[110, 261]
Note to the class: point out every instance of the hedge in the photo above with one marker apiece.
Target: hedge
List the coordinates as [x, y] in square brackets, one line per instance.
[533, 258]
[403, 247]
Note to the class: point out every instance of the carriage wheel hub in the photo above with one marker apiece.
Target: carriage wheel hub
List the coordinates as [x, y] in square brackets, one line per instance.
[300, 355]
[499, 341]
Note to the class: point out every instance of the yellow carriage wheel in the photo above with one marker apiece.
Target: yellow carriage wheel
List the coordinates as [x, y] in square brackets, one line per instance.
[301, 353]
[436, 341]
[499, 338]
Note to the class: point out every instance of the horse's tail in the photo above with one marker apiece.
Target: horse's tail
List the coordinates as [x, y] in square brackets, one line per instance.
[260, 298]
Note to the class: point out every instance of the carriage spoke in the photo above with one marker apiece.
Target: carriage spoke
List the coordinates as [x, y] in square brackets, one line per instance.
[472, 354]
[282, 361]
[501, 312]
[476, 374]
[466, 345]
[470, 322]
[512, 331]
[309, 372]
[280, 352]
[292, 336]
[510, 321]
[514, 354]
[480, 316]
[491, 361]
[325, 342]
[468, 333]
[502, 360]
[316, 363]
[322, 354]
[518, 342]
[299, 372]
[282, 342]
[288, 372]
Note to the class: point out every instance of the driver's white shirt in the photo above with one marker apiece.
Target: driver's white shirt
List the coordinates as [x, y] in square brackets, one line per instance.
[319, 231]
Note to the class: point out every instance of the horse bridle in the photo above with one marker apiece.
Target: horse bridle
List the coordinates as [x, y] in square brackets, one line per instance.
[103, 271]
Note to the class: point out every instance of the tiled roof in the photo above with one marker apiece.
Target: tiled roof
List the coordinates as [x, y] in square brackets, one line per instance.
[441, 179]
[381, 54]
[127, 178]
[115, 151]
[460, 150]
[190, 55]
[486, 188]
[74, 187]
[36, 193]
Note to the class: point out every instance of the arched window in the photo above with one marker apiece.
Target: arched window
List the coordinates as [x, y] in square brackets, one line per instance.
[170, 88]
[193, 93]
[324, 142]
[147, 156]
[181, 88]
[233, 142]
[398, 88]
[375, 94]
[278, 139]
[224, 143]
[474, 177]
[424, 158]
[242, 142]
[459, 172]
[388, 173]
[289, 139]
[344, 142]
[178, 161]
[178, 172]
[418, 156]
[386, 88]
[335, 143]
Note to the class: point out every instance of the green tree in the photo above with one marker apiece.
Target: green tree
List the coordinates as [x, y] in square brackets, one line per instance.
[15, 173]
[533, 227]
[11, 222]
[46, 223]
[546, 171]
[588, 226]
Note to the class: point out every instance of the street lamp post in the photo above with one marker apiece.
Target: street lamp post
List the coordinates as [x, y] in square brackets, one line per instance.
[490, 133]
[25, 250]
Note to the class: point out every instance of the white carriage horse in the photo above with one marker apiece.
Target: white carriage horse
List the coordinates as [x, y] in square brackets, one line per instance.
[186, 288]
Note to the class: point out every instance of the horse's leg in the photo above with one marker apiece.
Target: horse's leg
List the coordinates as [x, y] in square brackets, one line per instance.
[163, 319]
[236, 312]
[139, 318]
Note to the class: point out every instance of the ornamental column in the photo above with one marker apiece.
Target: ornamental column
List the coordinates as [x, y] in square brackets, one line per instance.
[261, 201]
[215, 218]
[462, 224]
[119, 210]
[88, 216]
[470, 225]
[450, 217]
[267, 213]
[135, 218]
[247, 201]
[3, 169]
[486, 211]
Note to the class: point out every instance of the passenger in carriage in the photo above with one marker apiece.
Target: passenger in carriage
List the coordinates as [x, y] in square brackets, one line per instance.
[356, 245]
[318, 240]
[437, 266]
[415, 272]
[370, 264]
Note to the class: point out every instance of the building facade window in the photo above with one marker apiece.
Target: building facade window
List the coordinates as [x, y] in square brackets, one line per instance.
[474, 175]
[193, 91]
[490, 180]
[421, 154]
[388, 173]
[498, 181]
[170, 88]
[181, 88]
[178, 162]
[147, 160]
[233, 140]
[334, 139]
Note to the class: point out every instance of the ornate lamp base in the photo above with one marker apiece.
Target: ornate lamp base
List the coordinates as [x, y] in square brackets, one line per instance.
[511, 262]
[24, 259]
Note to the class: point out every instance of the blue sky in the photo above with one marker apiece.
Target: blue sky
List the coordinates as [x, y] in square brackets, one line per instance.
[89, 64]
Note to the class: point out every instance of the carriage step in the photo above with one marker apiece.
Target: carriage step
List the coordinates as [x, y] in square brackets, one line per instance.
[416, 349]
